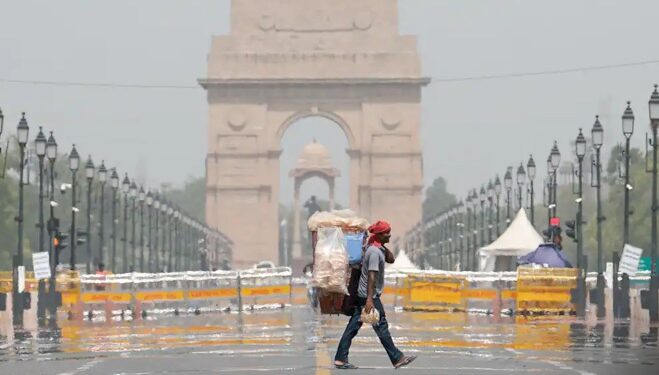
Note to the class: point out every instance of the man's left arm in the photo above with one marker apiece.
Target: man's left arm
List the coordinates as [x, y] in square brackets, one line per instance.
[388, 256]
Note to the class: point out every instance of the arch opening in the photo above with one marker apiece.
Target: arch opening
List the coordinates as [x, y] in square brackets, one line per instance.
[314, 158]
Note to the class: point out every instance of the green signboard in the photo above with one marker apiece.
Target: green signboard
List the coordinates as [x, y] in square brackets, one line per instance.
[645, 264]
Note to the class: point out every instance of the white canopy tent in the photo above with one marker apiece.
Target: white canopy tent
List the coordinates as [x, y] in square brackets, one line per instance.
[401, 264]
[519, 239]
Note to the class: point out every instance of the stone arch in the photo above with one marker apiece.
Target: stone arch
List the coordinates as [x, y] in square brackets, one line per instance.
[332, 116]
[284, 61]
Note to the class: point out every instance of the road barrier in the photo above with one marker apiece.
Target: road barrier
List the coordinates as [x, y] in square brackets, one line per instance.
[528, 291]
[182, 291]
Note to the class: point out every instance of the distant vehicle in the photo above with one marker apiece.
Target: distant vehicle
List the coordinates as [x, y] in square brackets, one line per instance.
[264, 265]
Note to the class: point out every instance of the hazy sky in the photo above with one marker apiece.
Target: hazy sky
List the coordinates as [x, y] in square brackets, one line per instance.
[471, 129]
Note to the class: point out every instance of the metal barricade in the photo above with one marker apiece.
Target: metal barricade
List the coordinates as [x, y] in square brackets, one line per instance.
[545, 290]
[435, 291]
[490, 292]
[265, 287]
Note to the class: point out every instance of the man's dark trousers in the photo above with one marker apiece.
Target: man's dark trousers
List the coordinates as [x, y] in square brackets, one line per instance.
[381, 329]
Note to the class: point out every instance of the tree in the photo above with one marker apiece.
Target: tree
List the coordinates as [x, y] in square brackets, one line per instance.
[437, 198]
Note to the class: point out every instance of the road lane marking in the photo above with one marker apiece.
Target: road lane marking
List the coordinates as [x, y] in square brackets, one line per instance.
[323, 361]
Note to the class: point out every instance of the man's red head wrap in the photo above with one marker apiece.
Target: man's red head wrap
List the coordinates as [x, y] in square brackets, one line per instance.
[378, 228]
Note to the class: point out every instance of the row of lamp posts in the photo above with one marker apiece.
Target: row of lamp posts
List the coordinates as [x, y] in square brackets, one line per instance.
[438, 234]
[183, 242]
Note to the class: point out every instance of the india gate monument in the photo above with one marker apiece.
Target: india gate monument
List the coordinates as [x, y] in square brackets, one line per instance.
[286, 60]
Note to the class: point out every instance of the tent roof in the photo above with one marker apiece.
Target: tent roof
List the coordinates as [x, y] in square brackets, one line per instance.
[402, 263]
[519, 238]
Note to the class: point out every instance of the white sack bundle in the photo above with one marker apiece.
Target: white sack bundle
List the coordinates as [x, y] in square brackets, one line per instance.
[330, 270]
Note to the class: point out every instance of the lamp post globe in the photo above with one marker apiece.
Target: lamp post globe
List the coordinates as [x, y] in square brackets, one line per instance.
[125, 184]
[22, 131]
[521, 175]
[133, 189]
[555, 156]
[530, 168]
[550, 167]
[102, 173]
[628, 121]
[40, 144]
[653, 106]
[497, 185]
[51, 148]
[90, 170]
[580, 145]
[508, 180]
[114, 179]
[142, 194]
[597, 133]
[74, 160]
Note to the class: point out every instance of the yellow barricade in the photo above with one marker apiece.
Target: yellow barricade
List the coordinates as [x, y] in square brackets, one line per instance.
[545, 290]
[435, 292]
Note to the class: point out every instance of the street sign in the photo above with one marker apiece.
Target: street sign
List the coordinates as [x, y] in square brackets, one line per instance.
[41, 265]
[645, 264]
[21, 278]
[630, 259]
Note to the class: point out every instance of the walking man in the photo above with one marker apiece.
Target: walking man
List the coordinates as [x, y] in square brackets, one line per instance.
[371, 284]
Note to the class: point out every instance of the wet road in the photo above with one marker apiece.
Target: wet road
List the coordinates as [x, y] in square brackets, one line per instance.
[297, 341]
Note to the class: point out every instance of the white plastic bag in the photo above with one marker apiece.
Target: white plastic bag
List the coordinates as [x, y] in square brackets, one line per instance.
[372, 317]
[330, 272]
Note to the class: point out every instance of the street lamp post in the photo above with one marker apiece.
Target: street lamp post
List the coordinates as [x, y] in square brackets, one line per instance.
[89, 174]
[530, 170]
[490, 198]
[133, 196]
[171, 229]
[497, 192]
[142, 197]
[653, 105]
[74, 164]
[482, 198]
[618, 297]
[125, 189]
[549, 187]
[40, 149]
[581, 285]
[521, 178]
[51, 153]
[22, 132]
[156, 248]
[166, 228]
[555, 161]
[114, 183]
[468, 210]
[597, 133]
[102, 178]
[149, 204]
[508, 183]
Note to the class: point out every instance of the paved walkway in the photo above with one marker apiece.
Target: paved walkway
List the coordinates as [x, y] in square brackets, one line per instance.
[298, 342]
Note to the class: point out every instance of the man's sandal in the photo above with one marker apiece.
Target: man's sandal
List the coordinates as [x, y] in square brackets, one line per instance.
[346, 366]
[405, 361]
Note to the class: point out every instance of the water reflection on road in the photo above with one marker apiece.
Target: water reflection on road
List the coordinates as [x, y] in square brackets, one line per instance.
[297, 329]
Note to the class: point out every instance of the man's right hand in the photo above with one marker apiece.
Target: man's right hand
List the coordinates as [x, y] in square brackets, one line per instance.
[369, 305]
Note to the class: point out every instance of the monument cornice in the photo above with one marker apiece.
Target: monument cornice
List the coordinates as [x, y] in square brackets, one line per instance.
[219, 82]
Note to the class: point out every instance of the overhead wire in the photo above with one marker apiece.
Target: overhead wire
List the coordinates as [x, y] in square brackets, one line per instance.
[436, 79]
